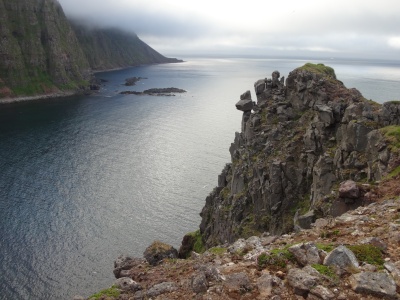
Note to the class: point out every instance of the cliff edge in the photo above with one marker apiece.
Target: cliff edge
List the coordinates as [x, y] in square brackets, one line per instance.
[298, 143]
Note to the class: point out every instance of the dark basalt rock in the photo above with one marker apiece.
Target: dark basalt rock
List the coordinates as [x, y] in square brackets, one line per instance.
[133, 80]
[297, 143]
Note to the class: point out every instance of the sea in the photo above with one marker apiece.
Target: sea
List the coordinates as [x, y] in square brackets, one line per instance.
[84, 179]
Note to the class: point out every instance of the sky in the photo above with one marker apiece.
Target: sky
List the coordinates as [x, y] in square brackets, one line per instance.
[286, 28]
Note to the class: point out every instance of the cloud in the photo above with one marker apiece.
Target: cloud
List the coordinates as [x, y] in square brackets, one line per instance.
[394, 42]
[256, 26]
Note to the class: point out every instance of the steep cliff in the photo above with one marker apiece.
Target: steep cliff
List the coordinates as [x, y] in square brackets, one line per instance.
[42, 53]
[39, 52]
[298, 143]
[113, 48]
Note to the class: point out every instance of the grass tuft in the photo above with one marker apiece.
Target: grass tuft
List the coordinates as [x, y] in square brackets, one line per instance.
[319, 68]
[110, 292]
[368, 254]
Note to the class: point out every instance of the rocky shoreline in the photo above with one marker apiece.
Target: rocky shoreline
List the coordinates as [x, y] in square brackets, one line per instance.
[38, 97]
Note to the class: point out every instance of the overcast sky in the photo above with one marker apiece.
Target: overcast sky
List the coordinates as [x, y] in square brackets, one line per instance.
[324, 28]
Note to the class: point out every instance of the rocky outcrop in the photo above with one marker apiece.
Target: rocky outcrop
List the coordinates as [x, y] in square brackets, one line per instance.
[158, 251]
[298, 144]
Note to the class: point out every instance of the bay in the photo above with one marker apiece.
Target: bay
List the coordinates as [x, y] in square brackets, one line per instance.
[84, 179]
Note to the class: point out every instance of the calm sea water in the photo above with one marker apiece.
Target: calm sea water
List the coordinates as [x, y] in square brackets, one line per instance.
[85, 179]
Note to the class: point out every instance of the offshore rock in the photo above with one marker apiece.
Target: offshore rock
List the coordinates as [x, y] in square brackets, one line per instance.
[296, 145]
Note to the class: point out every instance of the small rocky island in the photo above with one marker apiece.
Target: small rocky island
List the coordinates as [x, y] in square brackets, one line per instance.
[156, 92]
[133, 80]
[308, 208]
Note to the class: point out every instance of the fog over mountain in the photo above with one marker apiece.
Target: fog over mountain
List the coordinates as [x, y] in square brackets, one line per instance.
[360, 29]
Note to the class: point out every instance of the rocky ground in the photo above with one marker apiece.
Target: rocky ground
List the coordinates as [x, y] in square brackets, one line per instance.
[353, 256]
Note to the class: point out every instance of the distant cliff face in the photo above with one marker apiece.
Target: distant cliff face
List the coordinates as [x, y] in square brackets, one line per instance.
[40, 53]
[113, 48]
[298, 143]
[38, 49]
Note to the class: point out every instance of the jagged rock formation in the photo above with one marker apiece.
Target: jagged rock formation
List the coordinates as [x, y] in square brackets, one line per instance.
[39, 52]
[113, 48]
[298, 142]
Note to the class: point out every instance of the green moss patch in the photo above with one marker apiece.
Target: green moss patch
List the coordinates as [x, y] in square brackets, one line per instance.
[325, 270]
[198, 245]
[368, 254]
[225, 193]
[276, 259]
[217, 250]
[392, 135]
[326, 247]
[110, 292]
[394, 173]
[319, 68]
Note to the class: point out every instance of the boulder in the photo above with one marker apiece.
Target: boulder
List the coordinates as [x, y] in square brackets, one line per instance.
[342, 258]
[158, 251]
[305, 221]
[245, 105]
[349, 189]
[322, 292]
[127, 284]
[245, 96]
[123, 264]
[259, 86]
[268, 283]
[161, 288]
[306, 253]
[238, 282]
[199, 283]
[301, 281]
[211, 272]
[394, 271]
[376, 284]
